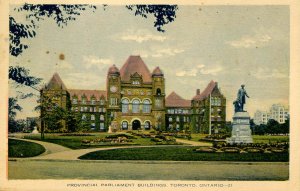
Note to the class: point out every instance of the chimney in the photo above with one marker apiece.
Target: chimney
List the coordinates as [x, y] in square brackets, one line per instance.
[198, 92]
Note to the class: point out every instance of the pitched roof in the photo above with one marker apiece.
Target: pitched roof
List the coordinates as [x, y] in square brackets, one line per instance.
[157, 72]
[174, 100]
[56, 82]
[135, 64]
[113, 70]
[208, 90]
[88, 93]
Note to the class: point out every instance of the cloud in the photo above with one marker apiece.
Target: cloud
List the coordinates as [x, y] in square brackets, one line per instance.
[211, 70]
[96, 61]
[201, 69]
[264, 73]
[257, 40]
[200, 66]
[167, 52]
[192, 72]
[141, 36]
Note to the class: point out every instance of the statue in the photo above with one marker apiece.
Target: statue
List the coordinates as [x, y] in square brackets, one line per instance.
[241, 100]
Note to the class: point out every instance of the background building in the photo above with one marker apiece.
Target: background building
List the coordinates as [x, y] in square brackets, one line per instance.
[277, 112]
[209, 110]
[178, 113]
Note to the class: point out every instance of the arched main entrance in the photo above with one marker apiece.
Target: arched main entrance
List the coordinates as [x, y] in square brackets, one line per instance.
[136, 124]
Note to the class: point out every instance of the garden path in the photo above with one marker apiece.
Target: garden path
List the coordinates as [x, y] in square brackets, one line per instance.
[194, 143]
[57, 152]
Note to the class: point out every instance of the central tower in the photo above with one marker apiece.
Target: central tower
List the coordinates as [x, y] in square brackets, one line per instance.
[136, 97]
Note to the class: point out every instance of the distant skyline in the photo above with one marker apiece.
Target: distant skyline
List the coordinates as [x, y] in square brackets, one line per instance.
[232, 45]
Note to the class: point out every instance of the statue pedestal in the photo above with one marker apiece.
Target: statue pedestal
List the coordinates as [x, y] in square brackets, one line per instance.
[241, 132]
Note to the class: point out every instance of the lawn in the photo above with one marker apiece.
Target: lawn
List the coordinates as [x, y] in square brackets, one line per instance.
[17, 148]
[75, 142]
[196, 137]
[183, 153]
[269, 138]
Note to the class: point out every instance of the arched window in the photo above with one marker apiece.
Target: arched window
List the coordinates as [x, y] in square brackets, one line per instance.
[135, 106]
[83, 117]
[102, 117]
[147, 125]
[124, 125]
[146, 106]
[125, 106]
[158, 91]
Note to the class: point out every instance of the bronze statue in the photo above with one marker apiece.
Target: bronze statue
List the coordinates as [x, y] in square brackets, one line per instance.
[241, 100]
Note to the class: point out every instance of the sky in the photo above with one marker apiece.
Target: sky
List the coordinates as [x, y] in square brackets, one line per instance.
[231, 45]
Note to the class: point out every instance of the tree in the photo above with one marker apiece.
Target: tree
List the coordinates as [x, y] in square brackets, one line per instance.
[51, 115]
[13, 108]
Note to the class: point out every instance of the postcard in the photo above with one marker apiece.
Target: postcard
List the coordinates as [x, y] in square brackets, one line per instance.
[150, 95]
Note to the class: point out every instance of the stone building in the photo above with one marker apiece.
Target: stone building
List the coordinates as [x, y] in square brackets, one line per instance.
[277, 112]
[134, 99]
[209, 110]
[178, 113]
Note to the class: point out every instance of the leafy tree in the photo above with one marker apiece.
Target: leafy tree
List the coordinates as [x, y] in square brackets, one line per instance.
[51, 115]
[13, 107]
[286, 127]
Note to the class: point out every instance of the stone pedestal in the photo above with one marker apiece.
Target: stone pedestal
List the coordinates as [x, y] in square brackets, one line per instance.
[241, 132]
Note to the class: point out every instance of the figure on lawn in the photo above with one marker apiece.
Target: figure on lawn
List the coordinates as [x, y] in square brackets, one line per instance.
[241, 100]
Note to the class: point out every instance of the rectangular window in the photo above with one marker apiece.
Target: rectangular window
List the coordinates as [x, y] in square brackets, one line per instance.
[91, 109]
[113, 101]
[101, 126]
[93, 102]
[74, 101]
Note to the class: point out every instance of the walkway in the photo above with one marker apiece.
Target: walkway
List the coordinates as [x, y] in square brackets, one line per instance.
[57, 152]
[194, 143]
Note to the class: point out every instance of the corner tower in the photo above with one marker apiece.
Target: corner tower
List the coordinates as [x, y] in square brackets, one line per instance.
[158, 93]
[113, 87]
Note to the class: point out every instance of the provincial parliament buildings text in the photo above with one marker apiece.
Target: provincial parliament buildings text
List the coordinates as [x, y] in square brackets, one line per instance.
[135, 99]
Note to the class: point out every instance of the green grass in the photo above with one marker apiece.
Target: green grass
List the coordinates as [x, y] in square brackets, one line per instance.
[269, 139]
[18, 148]
[196, 137]
[74, 142]
[180, 154]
